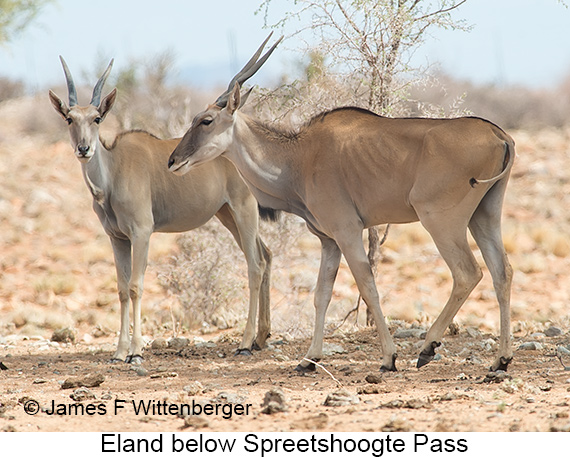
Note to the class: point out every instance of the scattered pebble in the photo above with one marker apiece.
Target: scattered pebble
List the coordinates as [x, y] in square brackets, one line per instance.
[374, 378]
[64, 335]
[510, 386]
[496, 376]
[330, 349]
[341, 398]
[281, 358]
[91, 380]
[194, 388]
[178, 343]
[530, 346]
[228, 397]
[396, 424]
[371, 389]
[412, 403]
[82, 394]
[205, 344]
[489, 344]
[560, 428]
[473, 332]
[448, 396]
[453, 328]
[410, 333]
[553, 331]
[164, 374]
[159, 343]
[139, 370]
[274, 402]
[195, 422]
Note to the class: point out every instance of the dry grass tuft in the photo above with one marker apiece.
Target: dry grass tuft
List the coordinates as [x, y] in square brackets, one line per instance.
[59, 284]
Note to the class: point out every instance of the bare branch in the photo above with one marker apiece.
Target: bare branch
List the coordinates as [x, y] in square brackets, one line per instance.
[440, 11]
[325, 370]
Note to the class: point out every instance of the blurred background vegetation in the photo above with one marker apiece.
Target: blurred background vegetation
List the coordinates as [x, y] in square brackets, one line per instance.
[360, 56]
[374, 38]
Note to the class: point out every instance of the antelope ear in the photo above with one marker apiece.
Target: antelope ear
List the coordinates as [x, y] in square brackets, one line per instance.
[245, 96]
[59, 105]
[234, 100]
[107, 103]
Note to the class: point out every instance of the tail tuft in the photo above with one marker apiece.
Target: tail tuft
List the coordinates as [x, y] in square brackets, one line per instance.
[268, 214]
[507, 165]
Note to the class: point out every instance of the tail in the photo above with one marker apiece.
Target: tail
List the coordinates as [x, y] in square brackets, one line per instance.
[507, 165]
[268, 214]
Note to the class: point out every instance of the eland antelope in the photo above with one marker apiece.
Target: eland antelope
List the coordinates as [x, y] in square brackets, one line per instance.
[134, 195]
[349, 169]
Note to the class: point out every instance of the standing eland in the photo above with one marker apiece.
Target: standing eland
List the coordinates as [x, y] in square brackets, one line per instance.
[134, 196]
[349, 169]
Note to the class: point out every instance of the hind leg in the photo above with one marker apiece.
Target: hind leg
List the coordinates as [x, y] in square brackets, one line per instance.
[241, 219]
[451, 241]
[485, 226]
[264, 320]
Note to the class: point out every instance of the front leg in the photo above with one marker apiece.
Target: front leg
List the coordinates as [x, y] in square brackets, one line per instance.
[122, 254]
[330, 261]
[136, 287]
[350, 243]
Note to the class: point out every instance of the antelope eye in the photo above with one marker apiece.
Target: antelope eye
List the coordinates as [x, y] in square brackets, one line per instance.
[206, 121]
[69, 120]
[97, 120]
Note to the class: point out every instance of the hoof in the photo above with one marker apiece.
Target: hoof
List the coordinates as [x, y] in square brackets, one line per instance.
[245, 352]
[392, 367]
[502, 364]
[310, 368]
[134, 359]
[259, 342]
[116, 360]
[427, 355]
[3, 367]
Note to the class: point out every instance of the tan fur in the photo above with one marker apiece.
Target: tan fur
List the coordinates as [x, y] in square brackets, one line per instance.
[349, 169]
[135, 195]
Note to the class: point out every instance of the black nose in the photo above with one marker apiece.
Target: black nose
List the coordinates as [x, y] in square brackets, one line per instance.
[83, 150]
[170, 163]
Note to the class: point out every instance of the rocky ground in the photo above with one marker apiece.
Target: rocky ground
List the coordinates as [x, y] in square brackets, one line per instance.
[64, 387]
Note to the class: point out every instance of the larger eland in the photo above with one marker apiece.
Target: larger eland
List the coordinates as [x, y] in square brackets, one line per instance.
[349, 169]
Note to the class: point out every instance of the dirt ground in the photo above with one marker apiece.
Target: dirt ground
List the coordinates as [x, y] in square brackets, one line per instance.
[452, 394]
[56, 271]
